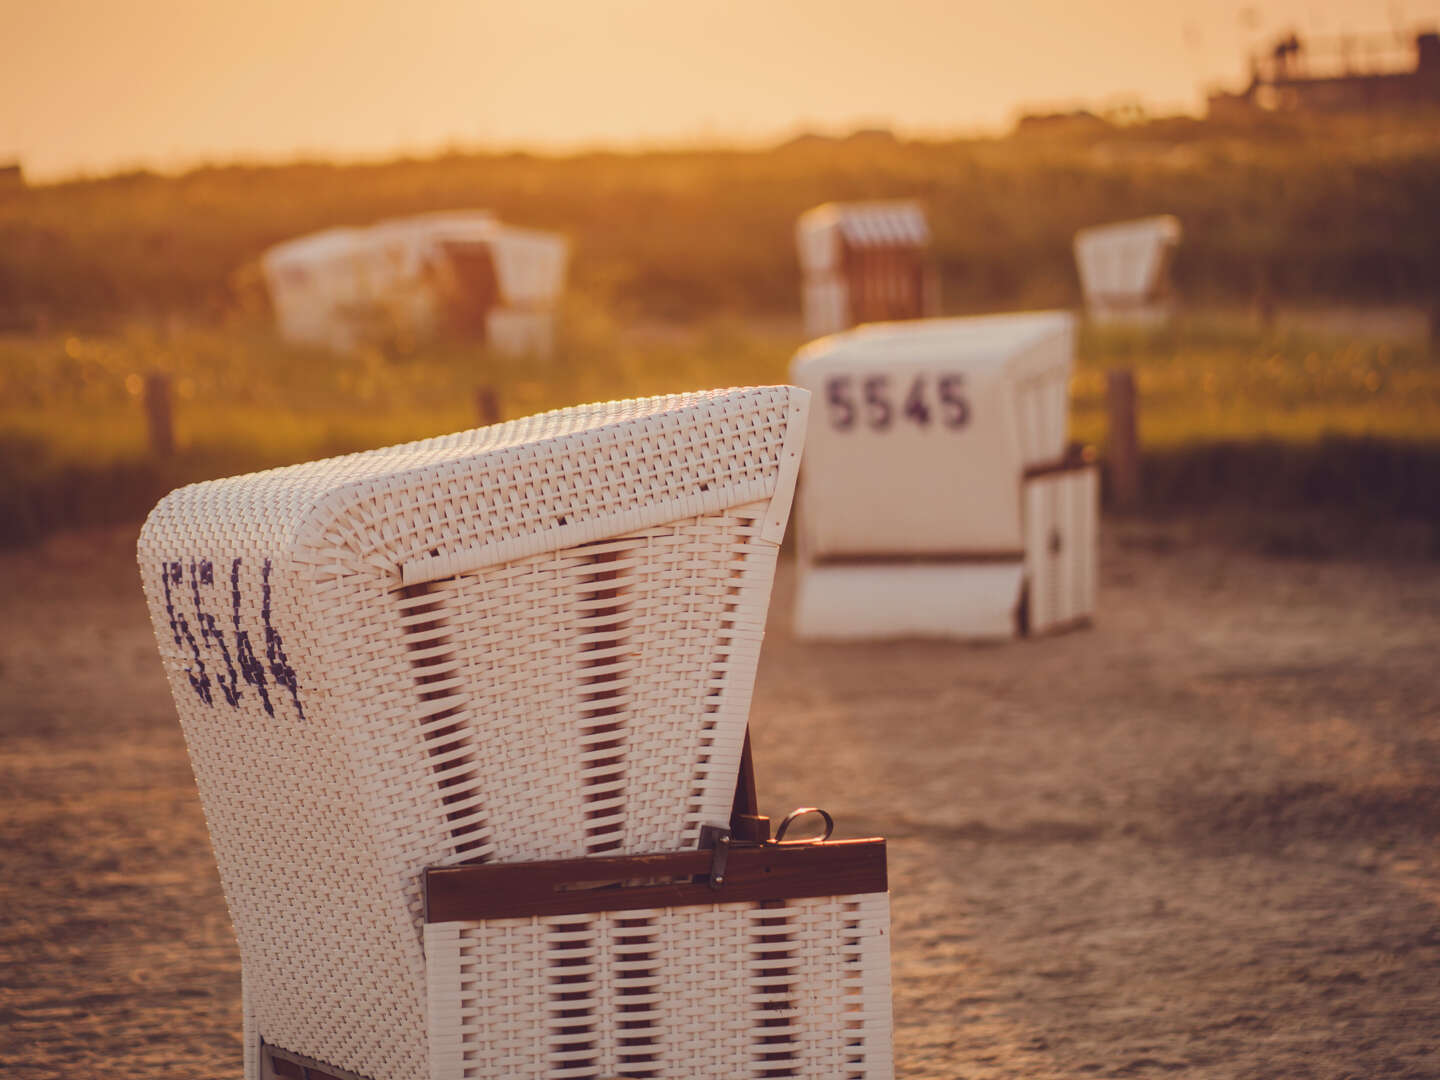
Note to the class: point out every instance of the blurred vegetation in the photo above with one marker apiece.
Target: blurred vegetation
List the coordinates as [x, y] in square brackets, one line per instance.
[684, 275]
[1229, 414]
[1312, 444]
[1307, 208]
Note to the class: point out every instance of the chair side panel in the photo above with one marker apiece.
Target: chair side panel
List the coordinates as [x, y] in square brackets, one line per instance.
[298, 856]
[1062, 518]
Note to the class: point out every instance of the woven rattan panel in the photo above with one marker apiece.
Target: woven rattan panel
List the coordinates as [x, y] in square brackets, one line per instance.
[795, 989]
[526, 641]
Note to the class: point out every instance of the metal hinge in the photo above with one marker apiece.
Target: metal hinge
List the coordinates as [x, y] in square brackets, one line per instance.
[715, 839]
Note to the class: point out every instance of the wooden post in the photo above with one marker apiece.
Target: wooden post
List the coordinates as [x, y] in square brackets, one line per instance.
[1264, 297]
[487, 405]
[1124, 453]
[158, 414]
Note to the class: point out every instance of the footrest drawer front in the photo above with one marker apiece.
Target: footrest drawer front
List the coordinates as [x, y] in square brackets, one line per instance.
[709, 987]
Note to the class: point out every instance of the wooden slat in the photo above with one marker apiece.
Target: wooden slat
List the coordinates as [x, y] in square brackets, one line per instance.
[922, 558]
[576, 886]
[1076, 457]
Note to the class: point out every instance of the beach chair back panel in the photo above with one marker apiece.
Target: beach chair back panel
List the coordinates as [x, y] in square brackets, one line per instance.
[631, 739]
[327, 632]
[922, 430]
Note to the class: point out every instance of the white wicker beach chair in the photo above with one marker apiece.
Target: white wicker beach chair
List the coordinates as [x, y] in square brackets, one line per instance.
[1124, 269]
[535, 641]
[938, 497]
[865, 262]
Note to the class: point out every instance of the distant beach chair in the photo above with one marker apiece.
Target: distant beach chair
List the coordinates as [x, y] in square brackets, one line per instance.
[939, 497]
[411, 278]
[865, 262]
[1125, 269]
[432, 693]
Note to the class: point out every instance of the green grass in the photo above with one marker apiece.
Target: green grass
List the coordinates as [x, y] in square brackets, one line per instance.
[1208, 383]
[1228, 414]
[73, 437]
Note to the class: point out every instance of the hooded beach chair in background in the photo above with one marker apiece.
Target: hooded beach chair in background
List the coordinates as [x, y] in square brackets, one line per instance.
[467, 718]
[1124, 269]
[865, 262]
[459, 272]
[939, 497]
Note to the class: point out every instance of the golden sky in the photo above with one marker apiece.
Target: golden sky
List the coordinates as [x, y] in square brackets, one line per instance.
[94, 85]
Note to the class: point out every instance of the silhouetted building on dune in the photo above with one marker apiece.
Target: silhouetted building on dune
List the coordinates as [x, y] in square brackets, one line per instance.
[1343, 74]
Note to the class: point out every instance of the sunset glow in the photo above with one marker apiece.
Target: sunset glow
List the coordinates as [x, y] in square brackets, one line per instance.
[92, 86]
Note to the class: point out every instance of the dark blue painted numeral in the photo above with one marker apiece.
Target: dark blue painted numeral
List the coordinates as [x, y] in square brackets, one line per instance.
[251, 669]
[280, 668]
[229, 682]
[242, 667]
[170, 574]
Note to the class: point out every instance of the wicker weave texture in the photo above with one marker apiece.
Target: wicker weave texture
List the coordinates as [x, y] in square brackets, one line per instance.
[793, 989]
[528, 641]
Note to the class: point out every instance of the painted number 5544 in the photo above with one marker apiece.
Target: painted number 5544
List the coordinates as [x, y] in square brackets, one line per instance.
[871, 401]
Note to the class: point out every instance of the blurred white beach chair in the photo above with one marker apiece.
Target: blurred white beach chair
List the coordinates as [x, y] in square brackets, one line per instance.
[938, 496]
[530, 642]
[864, 262]
[412, 277]
[1125, 269]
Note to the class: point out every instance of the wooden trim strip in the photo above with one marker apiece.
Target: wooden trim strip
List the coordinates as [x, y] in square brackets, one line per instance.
[921, 558]
[1055, 467]
[1076, 458]
[663, 880]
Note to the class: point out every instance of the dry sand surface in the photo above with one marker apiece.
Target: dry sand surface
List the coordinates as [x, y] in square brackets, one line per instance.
[1197, 840]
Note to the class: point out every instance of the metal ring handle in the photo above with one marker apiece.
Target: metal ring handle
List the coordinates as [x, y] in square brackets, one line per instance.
[801, 812]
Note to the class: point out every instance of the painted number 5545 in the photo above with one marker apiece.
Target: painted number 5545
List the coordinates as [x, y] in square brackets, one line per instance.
[870, 401]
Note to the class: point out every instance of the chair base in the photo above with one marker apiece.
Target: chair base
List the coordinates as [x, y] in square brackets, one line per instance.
[878, 600]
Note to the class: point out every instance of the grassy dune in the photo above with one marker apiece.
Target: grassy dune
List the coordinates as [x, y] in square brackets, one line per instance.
[1228, 413]
[1317, 209]
[698, 247]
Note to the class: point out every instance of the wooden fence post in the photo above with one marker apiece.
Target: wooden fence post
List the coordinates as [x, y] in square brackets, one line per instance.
[1124, 452]
[158, 414]
[1264, 297]
[487, 405]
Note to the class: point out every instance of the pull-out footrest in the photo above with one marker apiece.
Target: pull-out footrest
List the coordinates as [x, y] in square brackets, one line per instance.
[870, 599]
[743, 961]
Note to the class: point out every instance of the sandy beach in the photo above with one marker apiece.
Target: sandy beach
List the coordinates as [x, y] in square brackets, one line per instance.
[1196, 840]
